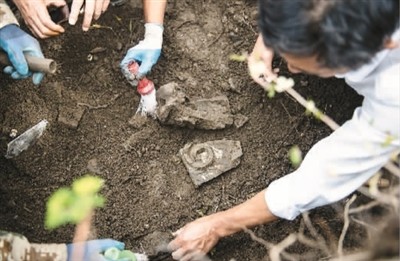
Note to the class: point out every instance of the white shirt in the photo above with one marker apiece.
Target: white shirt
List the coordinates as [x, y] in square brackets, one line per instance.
[339, 164]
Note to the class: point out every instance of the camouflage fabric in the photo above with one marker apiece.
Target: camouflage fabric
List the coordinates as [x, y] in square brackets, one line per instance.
[15, 247]
[6, 15]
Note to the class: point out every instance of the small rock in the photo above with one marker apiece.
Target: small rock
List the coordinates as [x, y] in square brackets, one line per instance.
[93, 166]
[13, 133]
[119, 46]
[98, 50]
[70, 117]
[240, 120]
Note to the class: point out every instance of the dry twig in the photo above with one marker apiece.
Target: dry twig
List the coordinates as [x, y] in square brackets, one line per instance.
[345, 225]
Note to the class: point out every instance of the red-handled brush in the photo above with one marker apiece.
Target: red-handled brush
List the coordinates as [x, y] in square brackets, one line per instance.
[145, 87]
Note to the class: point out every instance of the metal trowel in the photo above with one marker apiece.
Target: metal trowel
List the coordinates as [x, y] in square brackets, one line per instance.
[26, 139]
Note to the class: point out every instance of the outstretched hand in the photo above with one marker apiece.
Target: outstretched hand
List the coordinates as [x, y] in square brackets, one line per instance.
[15, 42]
[37, 17]
[92, 9]
[195, 240]
[146, 53]
[260, 63]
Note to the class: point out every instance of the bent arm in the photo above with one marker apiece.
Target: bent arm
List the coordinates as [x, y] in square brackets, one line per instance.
[339, 164]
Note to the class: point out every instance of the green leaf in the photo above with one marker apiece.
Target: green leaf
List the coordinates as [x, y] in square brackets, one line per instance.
[237, 57]
[73, 205]
[310, 107]
[318, 114]
[87, 185]
[58, 207]
[295, 156]
[271, 93]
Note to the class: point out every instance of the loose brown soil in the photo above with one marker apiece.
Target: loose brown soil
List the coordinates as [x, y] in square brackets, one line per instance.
[148, 189]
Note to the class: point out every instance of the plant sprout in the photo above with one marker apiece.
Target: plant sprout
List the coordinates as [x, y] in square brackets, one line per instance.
[73, 205]
[295, 156]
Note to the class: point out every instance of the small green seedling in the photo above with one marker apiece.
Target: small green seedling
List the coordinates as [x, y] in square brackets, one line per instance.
[295, 156]
[73, 205]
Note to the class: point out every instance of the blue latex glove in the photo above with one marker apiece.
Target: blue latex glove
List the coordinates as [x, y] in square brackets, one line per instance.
[146, 53]
[15, 42]
[94, 248]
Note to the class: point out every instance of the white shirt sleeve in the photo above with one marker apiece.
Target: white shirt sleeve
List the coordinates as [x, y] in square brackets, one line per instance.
[337, 165]
[6, 15]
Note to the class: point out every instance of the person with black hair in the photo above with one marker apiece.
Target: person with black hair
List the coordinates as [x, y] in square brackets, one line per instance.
[352, 39]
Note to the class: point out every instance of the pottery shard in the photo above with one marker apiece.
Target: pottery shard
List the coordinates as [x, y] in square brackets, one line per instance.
[208, 160]
[175, 108]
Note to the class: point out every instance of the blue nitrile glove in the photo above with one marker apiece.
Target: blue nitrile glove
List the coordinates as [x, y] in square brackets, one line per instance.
[94, 248]
[15, 42]
[146, 53]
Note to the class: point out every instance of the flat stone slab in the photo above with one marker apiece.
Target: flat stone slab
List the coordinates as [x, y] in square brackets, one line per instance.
[208, 160]
[175, 108]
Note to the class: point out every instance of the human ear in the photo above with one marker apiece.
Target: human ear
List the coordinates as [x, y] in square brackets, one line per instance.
[391, 44]
[393, 41]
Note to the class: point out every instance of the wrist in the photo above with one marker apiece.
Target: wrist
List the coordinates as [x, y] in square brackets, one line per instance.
[154, 26]
[223, 224]
[10, 33]
[15, 26]
[154, 33]
[250, 213]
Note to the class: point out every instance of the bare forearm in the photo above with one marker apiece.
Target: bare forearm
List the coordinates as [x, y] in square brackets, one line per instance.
[154, 11]
[251, 213]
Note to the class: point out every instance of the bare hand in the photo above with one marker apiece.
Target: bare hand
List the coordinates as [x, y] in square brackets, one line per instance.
[195, 240]
[37, 17]
[93, 9]
[260, 63]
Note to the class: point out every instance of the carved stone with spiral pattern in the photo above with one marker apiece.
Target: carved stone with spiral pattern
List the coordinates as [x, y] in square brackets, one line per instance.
[205, 161]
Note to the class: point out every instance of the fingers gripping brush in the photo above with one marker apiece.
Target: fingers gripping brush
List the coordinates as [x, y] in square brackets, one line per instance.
[145, 87]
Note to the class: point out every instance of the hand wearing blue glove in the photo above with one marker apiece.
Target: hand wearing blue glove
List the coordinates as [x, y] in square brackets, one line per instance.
[15, 42]
[146, 53]
[94, 248]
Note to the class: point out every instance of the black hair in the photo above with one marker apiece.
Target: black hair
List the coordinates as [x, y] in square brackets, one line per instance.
[341, 33]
